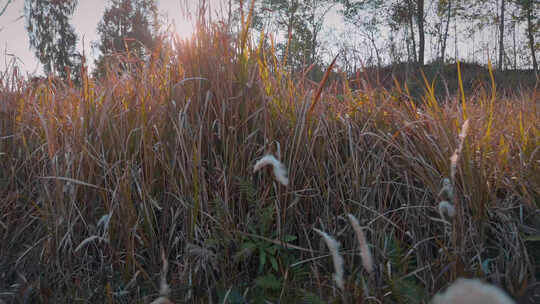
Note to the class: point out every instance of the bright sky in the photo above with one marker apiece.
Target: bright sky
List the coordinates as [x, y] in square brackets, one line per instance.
[14, 38]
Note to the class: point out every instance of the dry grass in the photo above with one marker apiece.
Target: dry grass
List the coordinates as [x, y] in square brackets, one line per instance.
[95, 180]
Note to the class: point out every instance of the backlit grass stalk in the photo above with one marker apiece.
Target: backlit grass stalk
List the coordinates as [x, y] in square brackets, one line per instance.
[447, 208]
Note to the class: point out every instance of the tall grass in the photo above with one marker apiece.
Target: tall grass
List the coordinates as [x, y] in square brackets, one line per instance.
[96, 179]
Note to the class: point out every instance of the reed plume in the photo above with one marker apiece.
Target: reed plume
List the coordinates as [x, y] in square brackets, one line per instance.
[333, 246]
[469, 291]
[365, 253]
[164, 289]
[279, 170]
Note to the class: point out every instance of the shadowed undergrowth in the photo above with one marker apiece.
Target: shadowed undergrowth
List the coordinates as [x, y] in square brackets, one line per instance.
[96, 179]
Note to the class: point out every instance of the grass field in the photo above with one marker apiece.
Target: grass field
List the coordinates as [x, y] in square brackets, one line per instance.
[98, 179]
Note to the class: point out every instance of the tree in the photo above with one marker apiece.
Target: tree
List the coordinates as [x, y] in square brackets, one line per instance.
[4, 7]
[298, 21]
[482, 13]
[126, 26]
[501, 35]
[369, 18]
[421, 33]
[51, 35]
[403, 16]
[527, 12]
[411, 26]
[445, 9]
[314, 14]
[397, 13]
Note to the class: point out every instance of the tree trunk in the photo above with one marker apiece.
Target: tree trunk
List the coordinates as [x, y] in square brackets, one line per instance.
[372, 39]
[530, 34]
[445, 37]
[3, 10]
[314, 34]
[411, 25]
[501, 36]
[420, 22]
[290, 19]
[515, 47]
[408, 44]
[456, 42]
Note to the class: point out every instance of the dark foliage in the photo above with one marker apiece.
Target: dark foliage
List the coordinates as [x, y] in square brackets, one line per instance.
[50, 33]
[126, 27]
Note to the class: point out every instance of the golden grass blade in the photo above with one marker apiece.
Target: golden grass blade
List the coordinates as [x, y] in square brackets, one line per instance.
[321, 85]
[462, 91]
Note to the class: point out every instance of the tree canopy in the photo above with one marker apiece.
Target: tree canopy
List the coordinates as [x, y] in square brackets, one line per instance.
[126, 26]
[50, 33]
[297, 25]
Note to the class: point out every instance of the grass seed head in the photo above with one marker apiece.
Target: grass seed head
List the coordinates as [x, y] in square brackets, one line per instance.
[365, 253]
[447, 190]
[164, 289]
[446, 210]
[280, 172]
[455, 157]
[465, 291]
[162, 300]
[333, 245]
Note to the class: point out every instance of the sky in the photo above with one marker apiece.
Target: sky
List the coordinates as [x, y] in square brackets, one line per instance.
[14, 37]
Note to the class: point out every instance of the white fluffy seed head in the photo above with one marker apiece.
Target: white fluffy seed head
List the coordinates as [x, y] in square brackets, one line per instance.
[365, 253]
[464, 129]
[469, 291]
[446, 209]
[455, 157]
[447, 190]
[333, 245]
[162, 300]
[280, 172]
[164, 289]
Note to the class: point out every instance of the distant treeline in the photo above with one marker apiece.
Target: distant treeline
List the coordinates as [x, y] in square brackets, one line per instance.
[372, 32]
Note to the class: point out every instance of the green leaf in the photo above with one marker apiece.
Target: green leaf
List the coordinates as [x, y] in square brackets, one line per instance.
[312, 298]
[268, 281]
[289, 238]
[274, 263]
[262, 260]
[248, 246]
[407, 291]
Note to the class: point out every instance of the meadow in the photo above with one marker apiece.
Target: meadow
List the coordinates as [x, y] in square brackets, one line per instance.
[112, 188]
